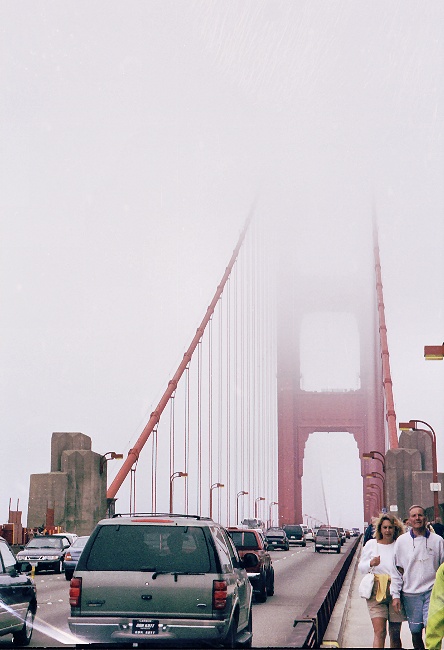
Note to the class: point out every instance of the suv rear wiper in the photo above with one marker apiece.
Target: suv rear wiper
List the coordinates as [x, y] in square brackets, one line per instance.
[173, 573]
[188, 573]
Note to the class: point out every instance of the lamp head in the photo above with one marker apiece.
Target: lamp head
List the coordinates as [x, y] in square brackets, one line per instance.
[434, 352]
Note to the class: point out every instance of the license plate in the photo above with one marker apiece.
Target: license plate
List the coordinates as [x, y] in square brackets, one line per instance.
[274, 542]
[292, 537]
[145, 626]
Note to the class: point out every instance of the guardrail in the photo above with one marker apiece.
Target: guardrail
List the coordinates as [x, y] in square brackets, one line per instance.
[311, 627]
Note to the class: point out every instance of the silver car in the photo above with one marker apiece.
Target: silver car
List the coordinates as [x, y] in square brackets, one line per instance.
[152, 579]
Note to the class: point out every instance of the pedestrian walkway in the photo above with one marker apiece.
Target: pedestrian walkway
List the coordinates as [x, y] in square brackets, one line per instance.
[350, 625]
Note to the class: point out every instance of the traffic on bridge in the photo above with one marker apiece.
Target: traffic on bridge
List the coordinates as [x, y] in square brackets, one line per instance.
[222, 307]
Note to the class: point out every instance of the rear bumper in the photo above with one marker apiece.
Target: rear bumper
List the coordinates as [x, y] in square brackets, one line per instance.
[110, 630]
[326, 547]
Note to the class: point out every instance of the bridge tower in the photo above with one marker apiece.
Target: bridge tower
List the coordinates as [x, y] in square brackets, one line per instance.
[360, 412]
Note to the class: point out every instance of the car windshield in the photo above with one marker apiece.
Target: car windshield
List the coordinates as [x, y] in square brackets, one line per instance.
[160, 549]
[244, 540]
[45, 542]
[79, 543]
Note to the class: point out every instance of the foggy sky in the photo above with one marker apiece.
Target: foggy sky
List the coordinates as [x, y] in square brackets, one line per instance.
[134, 139]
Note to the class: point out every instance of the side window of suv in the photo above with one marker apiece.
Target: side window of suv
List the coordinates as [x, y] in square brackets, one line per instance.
[223, 552]
[7, 556]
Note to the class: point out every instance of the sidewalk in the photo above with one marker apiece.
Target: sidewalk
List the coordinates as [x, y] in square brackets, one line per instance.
[350, 625]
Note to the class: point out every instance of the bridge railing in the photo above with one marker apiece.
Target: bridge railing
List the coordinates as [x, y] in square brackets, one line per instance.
[311, 627]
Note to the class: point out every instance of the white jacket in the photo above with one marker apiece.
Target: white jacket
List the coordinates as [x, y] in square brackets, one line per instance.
[420, 558]
[373, 549]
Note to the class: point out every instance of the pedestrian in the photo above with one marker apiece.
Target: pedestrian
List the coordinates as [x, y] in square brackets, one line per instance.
[377, 557]
[435, 621]
[369, 532]
[417, 556]
[438, 527]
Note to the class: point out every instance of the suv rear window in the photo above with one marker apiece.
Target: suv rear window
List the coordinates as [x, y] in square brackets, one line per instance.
[293, 530]
[149, 548]
[242, 540]
[324, 532]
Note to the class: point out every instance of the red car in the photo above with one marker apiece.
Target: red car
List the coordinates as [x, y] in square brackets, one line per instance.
[251, 542]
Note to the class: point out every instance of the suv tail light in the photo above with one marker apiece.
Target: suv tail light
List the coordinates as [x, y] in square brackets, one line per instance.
[75, 592]
[220, 592]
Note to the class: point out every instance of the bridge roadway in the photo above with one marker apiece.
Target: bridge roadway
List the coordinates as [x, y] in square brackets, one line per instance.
[299, 574]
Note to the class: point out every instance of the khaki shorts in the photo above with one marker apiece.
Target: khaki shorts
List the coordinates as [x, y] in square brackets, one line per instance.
[384, 609]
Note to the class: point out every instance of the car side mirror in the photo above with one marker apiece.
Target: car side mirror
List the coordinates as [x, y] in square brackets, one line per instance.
[23, 567]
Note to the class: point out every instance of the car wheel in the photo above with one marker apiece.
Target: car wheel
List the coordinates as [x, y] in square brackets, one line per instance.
[23, 637]
[304, 543]
[262, 595]
[338, 550]
[68, 575]
[287, 548]
[59, 567]
[317, 550]
[230, 639]
[270, 587]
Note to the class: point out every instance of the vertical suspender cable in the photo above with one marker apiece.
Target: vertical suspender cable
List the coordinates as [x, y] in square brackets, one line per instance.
[187, 433]
[199, 428]
[219, 403]
[171, 435]
[228, 404]
[154, 473]
[210, 405]
[236, 386]
[242, 378]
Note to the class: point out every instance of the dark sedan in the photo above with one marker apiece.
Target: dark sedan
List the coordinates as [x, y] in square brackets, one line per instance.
[277, 538]
[73, 554]
[18, 599]
[45, 553]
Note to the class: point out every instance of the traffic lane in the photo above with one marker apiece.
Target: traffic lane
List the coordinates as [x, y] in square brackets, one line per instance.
[51, 622]
[299, 574]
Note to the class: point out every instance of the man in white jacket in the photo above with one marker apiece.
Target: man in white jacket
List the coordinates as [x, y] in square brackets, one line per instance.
[418, 554]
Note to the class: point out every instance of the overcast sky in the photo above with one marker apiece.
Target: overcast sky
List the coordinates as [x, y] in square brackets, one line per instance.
[134, 138]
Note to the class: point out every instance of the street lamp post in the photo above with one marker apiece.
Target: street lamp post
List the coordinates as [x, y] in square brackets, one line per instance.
[369, 455]
[172, 477]
[378, 487]
[371, 497]
[382, 477]
[239, 494]
[375, 496]
[255, 505]
[110, 455]
[412, 425]
[214, 487]
[273, 503]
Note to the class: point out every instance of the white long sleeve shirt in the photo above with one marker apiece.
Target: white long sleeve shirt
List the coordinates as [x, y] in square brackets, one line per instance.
[373, 549]
[420, 558]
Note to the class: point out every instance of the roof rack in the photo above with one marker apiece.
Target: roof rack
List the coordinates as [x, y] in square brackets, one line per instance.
[159, 514]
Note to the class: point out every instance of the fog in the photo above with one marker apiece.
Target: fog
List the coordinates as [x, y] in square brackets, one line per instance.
[135, 139]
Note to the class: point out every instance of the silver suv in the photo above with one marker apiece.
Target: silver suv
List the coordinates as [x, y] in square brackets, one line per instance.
[156, 579]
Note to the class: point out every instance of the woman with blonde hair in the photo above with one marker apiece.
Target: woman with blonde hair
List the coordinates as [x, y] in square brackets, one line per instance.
[377, 557]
